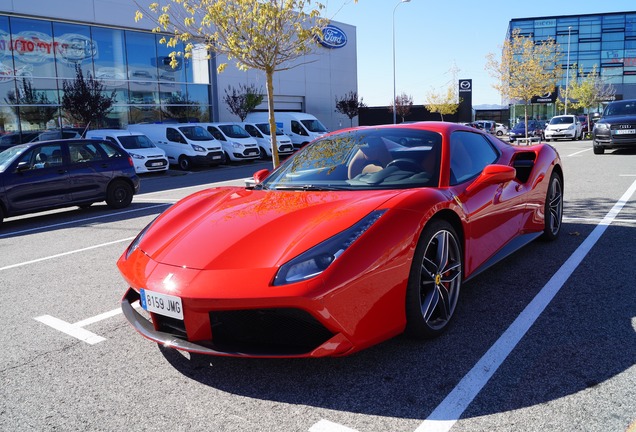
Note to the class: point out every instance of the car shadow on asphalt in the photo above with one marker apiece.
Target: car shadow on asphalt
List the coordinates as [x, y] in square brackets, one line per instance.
[584, 338]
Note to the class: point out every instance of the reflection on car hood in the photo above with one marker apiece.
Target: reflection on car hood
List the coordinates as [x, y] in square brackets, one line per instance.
[229, 228]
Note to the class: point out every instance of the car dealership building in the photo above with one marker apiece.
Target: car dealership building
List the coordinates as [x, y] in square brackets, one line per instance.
[42, 41]
[605, 41]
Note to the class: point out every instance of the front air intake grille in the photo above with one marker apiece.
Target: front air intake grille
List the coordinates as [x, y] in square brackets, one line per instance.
[267, 331]
[170, 325]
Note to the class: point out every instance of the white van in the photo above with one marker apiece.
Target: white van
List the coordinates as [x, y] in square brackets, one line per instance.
[261, 133]
[146, 156]
[237, 144]
[300, 127]
[185, 144]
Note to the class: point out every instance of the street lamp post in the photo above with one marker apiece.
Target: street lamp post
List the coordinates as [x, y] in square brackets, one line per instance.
[394, 96]
[567, 73]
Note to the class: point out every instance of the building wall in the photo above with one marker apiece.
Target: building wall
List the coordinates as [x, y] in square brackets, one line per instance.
[312, 86]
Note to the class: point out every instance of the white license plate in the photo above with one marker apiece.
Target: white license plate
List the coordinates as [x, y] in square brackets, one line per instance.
[157, 164]
[625, 132]
[216, 157]
[163, 304]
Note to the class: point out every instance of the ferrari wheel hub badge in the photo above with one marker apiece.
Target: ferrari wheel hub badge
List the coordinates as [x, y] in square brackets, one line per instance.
[438, 279]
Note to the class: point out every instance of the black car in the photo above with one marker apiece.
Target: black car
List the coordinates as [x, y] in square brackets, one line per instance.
[535, 130]
[616, 128]
[62, 173]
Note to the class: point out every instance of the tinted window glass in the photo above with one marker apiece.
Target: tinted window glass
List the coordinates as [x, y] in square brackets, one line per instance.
[470, 153]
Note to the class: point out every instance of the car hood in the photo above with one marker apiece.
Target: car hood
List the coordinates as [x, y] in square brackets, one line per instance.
[231, 228]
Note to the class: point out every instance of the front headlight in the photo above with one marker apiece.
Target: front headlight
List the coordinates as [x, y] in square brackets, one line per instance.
[136, 156]
[237, 145]
[197, 148]
[316, 260]
[135, 243]
[601, 126]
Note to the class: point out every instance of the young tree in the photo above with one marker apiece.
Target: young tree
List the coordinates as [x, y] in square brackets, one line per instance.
[31, 105]
[589, 91]
[84, 98]
[403, 105]
[349, 105]
[243, 100]
[269, 36]
[443, 103]
[527, 69]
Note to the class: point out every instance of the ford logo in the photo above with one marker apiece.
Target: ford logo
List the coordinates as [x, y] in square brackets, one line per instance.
[332, 37]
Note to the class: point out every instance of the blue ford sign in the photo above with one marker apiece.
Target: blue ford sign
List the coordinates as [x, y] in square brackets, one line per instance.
[333, 37]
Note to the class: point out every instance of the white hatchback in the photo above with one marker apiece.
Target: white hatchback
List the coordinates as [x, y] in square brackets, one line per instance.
[564, 127]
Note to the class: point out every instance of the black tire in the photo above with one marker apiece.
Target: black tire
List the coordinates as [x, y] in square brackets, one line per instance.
[263, 153]
[119, 194]
[1, 215]
[553, 209]
[184, 163]
[598, 150]
[434, 281]
[228, 161]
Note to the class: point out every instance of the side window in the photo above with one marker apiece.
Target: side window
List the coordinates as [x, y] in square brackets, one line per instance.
[45, 156]
[85, 152]
[111, 140]
[216, 133]
[174, 136]
[110, 150]
[469, 155]
[297, 128]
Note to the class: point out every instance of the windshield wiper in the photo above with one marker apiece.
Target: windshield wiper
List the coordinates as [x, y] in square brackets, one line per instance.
[310, 187]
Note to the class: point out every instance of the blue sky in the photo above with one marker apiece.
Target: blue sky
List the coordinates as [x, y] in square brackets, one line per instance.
[433, 37]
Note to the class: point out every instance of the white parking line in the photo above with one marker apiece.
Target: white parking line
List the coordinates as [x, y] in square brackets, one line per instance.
[576, 153]
[327, 426]
[453, 406]
[127, 239]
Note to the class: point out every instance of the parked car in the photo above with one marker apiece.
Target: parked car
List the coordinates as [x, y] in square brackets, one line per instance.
[147, 157]
[485, 125]
[501, 129]
[260, 131]
[616, 128]
[565, 126]
[238, 145]
[301, 128]
[359, 238]
[62, 173]
[535, 130]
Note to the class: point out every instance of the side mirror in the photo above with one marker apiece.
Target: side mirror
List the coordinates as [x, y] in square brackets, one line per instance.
[260, 175]
[493, 174]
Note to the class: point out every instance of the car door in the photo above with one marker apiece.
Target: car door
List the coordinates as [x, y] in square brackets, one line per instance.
[89, 171]
[38, 179]
[494, 212]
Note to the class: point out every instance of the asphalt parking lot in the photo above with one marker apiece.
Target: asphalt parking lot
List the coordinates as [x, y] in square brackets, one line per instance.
[545, 340]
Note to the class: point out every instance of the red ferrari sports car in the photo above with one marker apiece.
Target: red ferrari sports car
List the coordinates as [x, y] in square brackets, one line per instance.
[361, 235]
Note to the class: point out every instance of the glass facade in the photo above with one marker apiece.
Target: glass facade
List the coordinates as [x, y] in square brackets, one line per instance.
[604, 41]
[38, 56]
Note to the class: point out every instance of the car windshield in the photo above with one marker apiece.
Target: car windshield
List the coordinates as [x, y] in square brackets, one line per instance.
[385, 158]
[264, 127]
[562, 120]
[9, 155]
[234, 131]
[314, 126]
[132, 142]
[620, 109]
[196, 133]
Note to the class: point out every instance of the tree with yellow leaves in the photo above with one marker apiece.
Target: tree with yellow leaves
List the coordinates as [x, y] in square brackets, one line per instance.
[527, 69]
[266, 35]
[589, 90]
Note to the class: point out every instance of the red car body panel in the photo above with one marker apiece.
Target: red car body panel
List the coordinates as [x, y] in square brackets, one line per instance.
[220, 249]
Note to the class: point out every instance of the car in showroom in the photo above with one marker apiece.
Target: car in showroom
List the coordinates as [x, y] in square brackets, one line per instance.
[535, 131]
[564, 127]
[616, 128]
[71, 172]
[360, 236]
